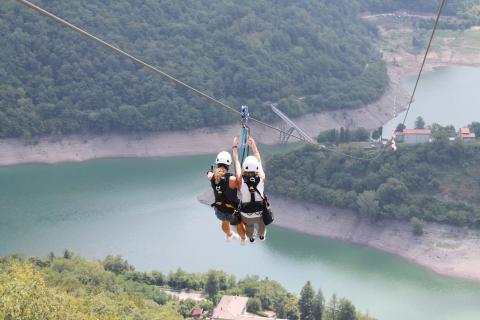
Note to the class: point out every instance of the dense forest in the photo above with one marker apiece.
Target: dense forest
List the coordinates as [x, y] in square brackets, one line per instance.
[433, 181]
[308, 55]
[70, 287]
[452, 7]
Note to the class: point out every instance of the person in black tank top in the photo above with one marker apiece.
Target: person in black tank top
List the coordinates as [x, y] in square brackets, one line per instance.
[225, 186]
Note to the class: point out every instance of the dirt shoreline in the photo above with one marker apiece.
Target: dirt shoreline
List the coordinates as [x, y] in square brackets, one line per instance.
[446, 250]
[78, 148]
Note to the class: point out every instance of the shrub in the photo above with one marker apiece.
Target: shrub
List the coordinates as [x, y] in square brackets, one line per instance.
[417, 226]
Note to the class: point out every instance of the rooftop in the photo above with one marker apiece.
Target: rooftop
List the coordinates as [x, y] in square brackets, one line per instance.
[230, 308]
[197, 312]
[253, 317]
[465, 133]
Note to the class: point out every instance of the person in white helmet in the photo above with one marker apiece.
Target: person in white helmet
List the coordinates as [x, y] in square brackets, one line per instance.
[252, 183]
[225, 186]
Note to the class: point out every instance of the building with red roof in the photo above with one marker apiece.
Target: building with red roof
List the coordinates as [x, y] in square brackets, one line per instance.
[466, 135]
[197, 313]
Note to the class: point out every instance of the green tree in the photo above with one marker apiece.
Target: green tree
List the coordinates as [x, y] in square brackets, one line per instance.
[400, 127]
[51, 256]
[306, 302]
[186, 307]
[392, 191]
[318, 306]
[67, 254]
[25, 295]
[212, 286]
[116, 264]
[291, 309]
[442, 134]
[368, 204]
[474, 127]
[361, 134]
[157, 278]
[331, 311]
[330, 136]
[254, 305]
[346, 310]
[417, 226]
[419, 123]
[377, 133]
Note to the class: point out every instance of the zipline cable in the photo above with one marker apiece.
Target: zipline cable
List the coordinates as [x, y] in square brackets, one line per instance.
[145, 65]
[439, 14]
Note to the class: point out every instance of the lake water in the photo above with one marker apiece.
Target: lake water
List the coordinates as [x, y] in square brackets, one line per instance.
[146, 210]
[448, 95]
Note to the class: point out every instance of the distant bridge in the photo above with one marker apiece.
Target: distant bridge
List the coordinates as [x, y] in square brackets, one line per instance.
[291, 126]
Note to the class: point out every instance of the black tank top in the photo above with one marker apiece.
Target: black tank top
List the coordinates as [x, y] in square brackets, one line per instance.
[226, 199]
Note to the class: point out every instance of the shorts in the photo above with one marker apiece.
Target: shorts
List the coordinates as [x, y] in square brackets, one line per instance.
[222, 216]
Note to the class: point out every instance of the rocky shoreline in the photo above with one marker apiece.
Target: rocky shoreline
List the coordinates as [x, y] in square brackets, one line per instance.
[78, 148]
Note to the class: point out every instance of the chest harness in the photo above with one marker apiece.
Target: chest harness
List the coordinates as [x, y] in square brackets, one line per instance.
[226, 199]
[253, 206]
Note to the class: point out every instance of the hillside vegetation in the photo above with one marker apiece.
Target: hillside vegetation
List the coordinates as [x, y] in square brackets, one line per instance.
[436, 181]
[461, 8]
[70, 287]
[53, 81]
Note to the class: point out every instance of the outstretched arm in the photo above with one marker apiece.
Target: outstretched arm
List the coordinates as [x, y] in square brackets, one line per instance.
[236, 162]
[210, 174]
[256, 153]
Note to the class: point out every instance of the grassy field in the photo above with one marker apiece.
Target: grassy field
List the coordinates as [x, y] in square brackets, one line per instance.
[398, 34]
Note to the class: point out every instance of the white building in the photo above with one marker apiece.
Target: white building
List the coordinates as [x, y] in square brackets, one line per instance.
[413, 136]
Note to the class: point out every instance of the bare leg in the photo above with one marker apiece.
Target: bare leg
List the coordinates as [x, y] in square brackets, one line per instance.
[241, 230]
[226, 228]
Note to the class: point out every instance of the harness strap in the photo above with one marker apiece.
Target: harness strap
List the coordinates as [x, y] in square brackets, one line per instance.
[221, 199]
[245, 133]
[245, 147]
[265, 200]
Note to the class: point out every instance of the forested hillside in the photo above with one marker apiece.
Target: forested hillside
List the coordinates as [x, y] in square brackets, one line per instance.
[452, 7]
[53, 81]
[70, 287]
[433, 181]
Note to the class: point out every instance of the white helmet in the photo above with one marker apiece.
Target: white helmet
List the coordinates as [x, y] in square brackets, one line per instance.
[224, 158]
[251, 164]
